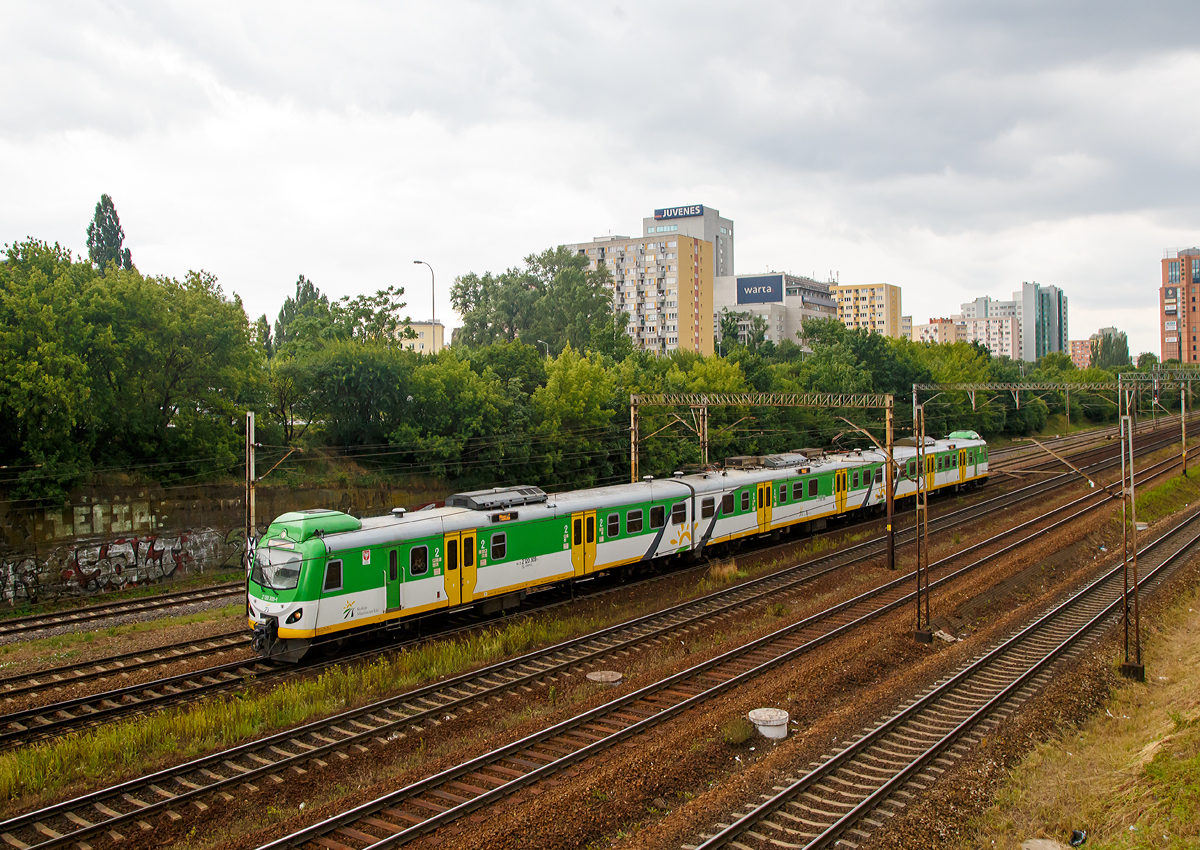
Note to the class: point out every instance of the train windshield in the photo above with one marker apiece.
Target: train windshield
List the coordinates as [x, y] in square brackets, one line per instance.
[277, 569]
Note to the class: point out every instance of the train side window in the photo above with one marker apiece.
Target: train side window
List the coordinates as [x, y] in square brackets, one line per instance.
[418, 560]
[939, 463]
[745, 500]
[912, 468]
[468, 551]
[658, 516]
[678, 513]
[393, 560]
[797, 491]
[614, 526]
[727, 505]
[782, 494]
[633, 521]
[333, 576]
[879, 475]
[812, 487]
[854, 481]
[708, 507]
[499, 546]
[451, 555]
[591, 529]
[577, 530]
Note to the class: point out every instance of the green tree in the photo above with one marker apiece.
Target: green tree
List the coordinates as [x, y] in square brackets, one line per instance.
[1110, 351]
[305, 316]
[728, 322]
[105, 237]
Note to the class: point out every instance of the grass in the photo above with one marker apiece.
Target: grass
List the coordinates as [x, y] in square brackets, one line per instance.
[1130, 776]
[126, 748]
[737, 731]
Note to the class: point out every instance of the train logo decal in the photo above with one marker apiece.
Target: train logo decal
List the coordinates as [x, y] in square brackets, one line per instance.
[348, 610]
[366, 557]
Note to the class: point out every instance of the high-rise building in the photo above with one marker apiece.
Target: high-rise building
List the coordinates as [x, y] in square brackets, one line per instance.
[1177, 317]
[664, 280]
[906, 327]
[1000, 335]
[782, 300]
[1041, 314]
[1081, 353]
[874, 306]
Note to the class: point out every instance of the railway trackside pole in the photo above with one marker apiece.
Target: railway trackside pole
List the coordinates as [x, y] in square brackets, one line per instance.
[1183, 427]
[891, 482]
[1132, 668]
[923, 632]
[633, 440]
[250, 519]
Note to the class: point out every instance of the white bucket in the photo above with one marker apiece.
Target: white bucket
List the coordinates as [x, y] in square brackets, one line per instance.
[770, 722]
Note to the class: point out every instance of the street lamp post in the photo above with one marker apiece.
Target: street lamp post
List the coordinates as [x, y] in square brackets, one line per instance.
[432, 303]
[547, 345]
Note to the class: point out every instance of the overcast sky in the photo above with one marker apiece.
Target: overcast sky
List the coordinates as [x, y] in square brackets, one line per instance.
[955, 149]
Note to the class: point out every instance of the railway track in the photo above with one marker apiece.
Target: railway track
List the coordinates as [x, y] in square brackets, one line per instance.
[133, 804]
[425, 806]
[847, 795]
[55, 719]
[90, 613]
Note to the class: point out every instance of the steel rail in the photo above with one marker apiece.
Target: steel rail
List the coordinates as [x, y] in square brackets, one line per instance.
[56, 678]
[406, 813]
[89, 613]
[979, 705]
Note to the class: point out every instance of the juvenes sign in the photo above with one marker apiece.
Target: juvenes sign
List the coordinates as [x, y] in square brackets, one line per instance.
[680, 212]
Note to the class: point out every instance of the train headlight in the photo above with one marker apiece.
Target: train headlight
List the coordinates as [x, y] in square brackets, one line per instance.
[294, 616]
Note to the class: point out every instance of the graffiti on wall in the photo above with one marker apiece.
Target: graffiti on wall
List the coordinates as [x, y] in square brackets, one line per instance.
[86, 567]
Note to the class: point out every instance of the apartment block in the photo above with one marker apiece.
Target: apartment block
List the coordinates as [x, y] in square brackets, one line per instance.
[781, 299]
[1041, 315]
[1001, 335]
[906, 327]
[1081, 353]
[874, 306]
[429, 340]
[936, 331]
[1177, 318]
[664, 283]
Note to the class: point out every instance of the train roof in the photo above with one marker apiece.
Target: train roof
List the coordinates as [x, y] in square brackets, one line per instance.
[494, 506]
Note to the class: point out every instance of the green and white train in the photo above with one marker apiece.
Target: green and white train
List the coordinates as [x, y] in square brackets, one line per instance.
[322, 575]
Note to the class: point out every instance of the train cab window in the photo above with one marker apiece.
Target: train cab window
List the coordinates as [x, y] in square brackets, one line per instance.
[418, 561]
[678, 513]
[633, 521]
[499, 546]
[727, 504]
[745, 500]
[577, 532]
[658, 516]
[393, 561]
[614, 526]
[797, 491]
[782, 494]
[879, 475]
[812, 487]
[333, 576]
[708, 507]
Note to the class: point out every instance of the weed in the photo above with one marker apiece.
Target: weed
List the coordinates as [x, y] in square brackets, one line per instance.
[599, 795]
[957, 538]
[779, 609]
[737, 731]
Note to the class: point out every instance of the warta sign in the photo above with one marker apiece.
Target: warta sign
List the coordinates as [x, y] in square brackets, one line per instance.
[680, 212]
[760, 289]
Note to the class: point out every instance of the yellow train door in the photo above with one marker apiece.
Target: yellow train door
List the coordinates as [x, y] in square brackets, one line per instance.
[470, 567]
[452, 573]
[929, 471]
[764, 507]
[839, 490]
[962, 465]
[583, 542]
